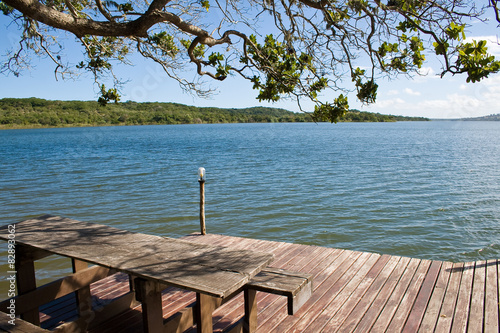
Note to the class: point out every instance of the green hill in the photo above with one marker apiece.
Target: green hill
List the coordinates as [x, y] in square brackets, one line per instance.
[36, 112]
[491, 117]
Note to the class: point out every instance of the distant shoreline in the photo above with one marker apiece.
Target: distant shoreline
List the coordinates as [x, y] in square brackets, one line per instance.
[491, 117]
[28, 113]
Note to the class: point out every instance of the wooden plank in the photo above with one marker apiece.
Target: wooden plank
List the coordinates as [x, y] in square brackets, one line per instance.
[420, 305]
[404, 308]
[462, 308]
[176, 301]
[365, 282]
[288, 254]
[324, 281]
[98, 316]
[279, 281]
[392, 304]
[58, 288]
[437, 299]
[181, 321]
[112, 309]
[272, 308]
[216, 271]
[366, 300]
[275, 306]
[491, 306]
[343, 291]
[60, 310]
[67, 236]
[476, 314]
[335, 289]
[121, 322]
[384, 296]
[297, 287]
[272, 315]
[370, 304]
[106, 289]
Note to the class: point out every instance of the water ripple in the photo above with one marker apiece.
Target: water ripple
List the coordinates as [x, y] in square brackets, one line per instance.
[427, 190]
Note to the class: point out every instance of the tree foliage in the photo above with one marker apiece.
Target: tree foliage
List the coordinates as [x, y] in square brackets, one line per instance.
[36, 112]
[295, 49]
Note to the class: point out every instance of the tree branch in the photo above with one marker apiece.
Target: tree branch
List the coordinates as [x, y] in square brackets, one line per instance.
[81, 26]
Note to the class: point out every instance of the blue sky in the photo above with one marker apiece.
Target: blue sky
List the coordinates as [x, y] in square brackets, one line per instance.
[428, 96]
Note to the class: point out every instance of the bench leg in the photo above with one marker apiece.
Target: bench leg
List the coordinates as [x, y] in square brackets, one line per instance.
[149, 294]
[250, 319]
[204, 309]
[83, 297]
[26, 281]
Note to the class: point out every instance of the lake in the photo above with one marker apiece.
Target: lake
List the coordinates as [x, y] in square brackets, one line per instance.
[421, 189]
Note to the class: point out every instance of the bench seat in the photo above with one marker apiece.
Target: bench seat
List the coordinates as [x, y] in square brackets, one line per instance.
[297, 287]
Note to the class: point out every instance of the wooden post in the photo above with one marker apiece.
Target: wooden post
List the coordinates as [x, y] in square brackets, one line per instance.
[83, 296]
[203, 229]
[201, 180]
[26, 281]
[203, 313]
[149, 294]
[250, 318]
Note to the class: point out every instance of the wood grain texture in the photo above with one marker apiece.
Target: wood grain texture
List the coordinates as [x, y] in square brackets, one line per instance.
[353, 292]
[213, 270]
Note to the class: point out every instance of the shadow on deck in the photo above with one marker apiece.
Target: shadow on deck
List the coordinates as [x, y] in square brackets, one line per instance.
[353, 292]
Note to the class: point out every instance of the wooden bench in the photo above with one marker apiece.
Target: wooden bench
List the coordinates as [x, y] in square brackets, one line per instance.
[21, 326]
[214, 273]
[297, 287]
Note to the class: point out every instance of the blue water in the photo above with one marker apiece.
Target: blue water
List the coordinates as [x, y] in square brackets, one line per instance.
[422, 189]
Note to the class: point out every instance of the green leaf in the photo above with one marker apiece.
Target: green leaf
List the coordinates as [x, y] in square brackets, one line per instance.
[332, 112]
[205, 4]
[6, 9]
[108, 95]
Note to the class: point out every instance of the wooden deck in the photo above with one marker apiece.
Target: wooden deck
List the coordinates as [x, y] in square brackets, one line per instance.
[353, 292]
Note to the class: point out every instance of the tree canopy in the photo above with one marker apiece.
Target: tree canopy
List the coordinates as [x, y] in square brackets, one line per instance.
[287, 48]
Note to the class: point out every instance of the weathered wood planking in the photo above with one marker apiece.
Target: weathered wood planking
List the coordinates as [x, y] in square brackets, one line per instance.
[353, 292]
[208, 269]
[379, 293]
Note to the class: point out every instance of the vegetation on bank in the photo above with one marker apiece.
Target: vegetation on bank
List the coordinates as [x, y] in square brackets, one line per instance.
[35, 112]
[491, 117]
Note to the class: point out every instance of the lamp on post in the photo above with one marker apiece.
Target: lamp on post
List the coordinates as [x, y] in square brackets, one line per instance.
[201, 180]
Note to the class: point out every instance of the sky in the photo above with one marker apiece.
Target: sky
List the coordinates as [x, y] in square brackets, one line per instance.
[425, 95]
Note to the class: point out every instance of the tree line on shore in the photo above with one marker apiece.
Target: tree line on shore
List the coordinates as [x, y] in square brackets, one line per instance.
[36, 112]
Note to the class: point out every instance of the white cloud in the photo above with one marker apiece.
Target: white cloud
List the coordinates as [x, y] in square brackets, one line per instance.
[412, 92]
[426, 71]
[493, 80]
[392, 92]
[390, 103]
[454, 101]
